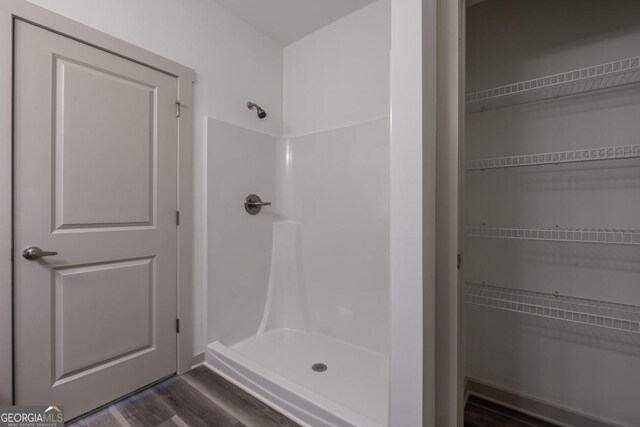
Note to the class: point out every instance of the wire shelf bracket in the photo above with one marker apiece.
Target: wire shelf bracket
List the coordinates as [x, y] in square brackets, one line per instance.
[558, 234]
[574, 156]
[614, 74]
[604, 314]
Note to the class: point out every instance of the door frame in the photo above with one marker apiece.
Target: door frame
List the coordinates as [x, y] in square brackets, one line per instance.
[449, 408]
[11, 10]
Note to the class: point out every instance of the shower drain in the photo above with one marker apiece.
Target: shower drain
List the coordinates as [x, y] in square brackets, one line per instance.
[319, 367]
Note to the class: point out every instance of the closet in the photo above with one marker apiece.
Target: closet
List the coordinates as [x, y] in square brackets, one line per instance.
[551, 271]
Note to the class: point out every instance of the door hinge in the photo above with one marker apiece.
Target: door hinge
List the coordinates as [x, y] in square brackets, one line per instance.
[459, 261]
[177, 217]
[178, 105]
[178, 326]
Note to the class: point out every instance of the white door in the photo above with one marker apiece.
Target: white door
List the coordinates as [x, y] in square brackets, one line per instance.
[95, 143]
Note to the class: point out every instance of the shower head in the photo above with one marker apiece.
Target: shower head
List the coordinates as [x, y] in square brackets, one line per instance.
[261, 113]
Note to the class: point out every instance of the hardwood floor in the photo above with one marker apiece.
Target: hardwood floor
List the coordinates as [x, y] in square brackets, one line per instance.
[198, 398]
[482, 413]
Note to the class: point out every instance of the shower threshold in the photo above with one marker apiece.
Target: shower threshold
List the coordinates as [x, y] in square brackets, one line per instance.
[314, 379]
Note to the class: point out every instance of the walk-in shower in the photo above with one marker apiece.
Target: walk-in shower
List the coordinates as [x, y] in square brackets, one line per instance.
[318, 352]
[298, 299]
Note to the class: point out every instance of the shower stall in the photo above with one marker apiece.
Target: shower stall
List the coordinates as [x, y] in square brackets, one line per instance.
[298, 298]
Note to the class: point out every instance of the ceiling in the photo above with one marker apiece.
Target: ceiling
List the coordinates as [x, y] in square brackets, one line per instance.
[286, 21]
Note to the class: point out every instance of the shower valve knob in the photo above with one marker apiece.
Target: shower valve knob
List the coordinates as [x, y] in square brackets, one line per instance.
[253, 204]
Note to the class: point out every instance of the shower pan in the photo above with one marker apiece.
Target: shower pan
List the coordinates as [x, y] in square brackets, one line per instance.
[314, 378]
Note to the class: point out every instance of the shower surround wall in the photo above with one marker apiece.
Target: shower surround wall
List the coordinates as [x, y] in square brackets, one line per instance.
[307, 280]
[240, 162]
[336, 109]
[340, 193]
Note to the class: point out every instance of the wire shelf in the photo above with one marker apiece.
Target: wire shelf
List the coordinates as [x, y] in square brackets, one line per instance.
[597, 77]
[575, 156]
[622, 317]
[559, 234]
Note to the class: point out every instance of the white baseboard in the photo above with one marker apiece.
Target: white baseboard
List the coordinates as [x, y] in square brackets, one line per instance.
[465, 388]
[531, 406]
[197, 360]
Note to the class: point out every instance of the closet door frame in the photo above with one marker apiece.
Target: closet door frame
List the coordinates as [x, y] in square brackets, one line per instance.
[10, 11]
[450, 377]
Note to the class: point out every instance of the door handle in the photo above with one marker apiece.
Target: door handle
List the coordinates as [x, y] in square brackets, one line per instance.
[33, 252]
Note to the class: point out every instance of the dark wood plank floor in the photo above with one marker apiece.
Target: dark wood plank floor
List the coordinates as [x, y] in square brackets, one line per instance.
[202, 398]
[198, 398]
[482, 413]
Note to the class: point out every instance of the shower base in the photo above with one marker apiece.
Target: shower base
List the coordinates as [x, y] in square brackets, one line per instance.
[276, 367]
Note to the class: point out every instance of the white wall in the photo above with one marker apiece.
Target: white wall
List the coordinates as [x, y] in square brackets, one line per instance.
[336, 184]
[413, 77]
[339, 75]
[574, 36]
[234, 63]
[584, 369]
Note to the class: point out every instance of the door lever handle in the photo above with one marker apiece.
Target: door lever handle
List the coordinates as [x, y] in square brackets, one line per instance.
[32, 253]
